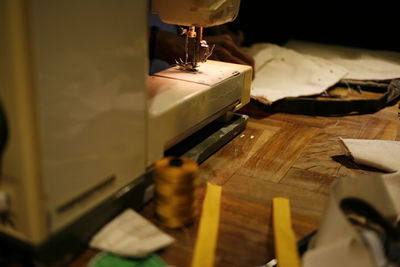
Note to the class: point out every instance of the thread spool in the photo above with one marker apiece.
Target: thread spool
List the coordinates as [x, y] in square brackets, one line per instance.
[176, 191]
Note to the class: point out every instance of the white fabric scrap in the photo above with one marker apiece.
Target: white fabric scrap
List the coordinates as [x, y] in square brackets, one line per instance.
[362, 64]
[381, 154]
[338, 242]
[130, 235]
[282, 72]
[392, 182]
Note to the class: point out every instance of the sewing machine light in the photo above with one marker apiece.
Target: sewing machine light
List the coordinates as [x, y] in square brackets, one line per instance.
[195, 14]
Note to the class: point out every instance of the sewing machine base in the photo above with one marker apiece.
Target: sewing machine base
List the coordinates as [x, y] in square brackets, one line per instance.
[208, 140]
[65, 245]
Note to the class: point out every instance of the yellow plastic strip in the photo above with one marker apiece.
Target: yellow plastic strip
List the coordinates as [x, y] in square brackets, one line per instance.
[285, 241]
[207, 234]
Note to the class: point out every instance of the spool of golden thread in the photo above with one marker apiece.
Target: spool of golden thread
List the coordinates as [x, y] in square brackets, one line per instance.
[176, 191]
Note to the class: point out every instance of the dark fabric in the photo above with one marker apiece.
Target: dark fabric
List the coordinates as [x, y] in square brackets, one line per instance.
[152, 41]
[323, 107]
[371, 219]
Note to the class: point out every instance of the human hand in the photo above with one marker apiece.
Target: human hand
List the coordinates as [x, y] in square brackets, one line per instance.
[226, 50]
[170, 47]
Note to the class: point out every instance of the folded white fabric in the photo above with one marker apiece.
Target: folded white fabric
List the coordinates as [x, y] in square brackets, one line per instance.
[130, 235]
[340, 243]
[381, 154]
[304, 68]
[282, 72]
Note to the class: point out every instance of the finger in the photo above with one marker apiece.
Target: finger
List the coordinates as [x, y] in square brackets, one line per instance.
[227, 42]
[237, 52]
[222, 54]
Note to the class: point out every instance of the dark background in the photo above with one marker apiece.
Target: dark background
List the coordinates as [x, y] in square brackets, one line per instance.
[374, 25]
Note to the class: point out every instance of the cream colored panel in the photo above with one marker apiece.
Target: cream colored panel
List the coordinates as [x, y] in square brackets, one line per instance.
[90, 63]
[205, 13]
[180, 101]
[20, 171]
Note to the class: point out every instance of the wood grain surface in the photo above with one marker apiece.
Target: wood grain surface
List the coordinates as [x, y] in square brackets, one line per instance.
[278, 155]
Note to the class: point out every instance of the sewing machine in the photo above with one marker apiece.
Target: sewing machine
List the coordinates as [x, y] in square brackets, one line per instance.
[209, 88]
[86, 122]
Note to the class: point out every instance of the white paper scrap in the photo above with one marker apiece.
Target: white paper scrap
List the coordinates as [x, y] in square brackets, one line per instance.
[130, 235]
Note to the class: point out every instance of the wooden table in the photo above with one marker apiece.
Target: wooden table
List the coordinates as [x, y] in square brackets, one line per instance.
[278, 155]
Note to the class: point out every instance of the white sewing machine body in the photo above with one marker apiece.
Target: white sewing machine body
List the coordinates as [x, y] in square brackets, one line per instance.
[85, 120]
[183, 102]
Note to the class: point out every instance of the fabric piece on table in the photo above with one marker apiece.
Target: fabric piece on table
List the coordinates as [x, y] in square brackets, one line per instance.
[338, 242]
[282, 72]
[362, 64]
[380, 154]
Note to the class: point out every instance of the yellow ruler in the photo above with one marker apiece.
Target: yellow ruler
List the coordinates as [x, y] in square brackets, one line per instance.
[286, 250]
[204, 251]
